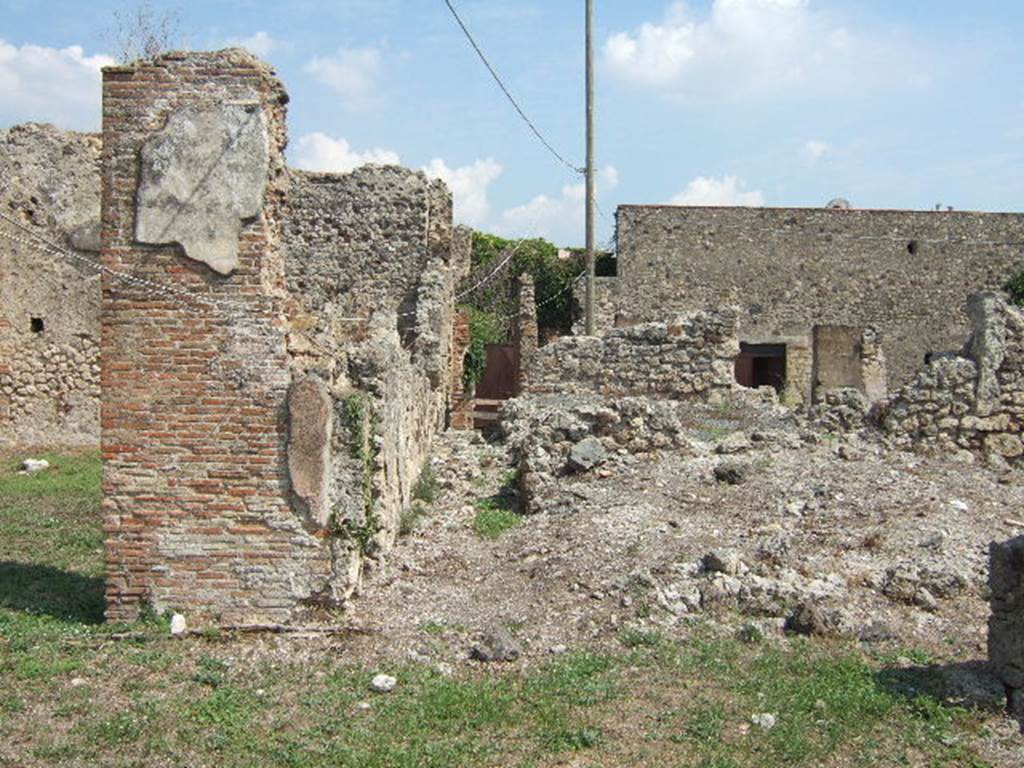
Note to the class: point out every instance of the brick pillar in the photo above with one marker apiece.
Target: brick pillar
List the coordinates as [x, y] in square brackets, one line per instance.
[461, 406]
[526, 332]
[197, 516]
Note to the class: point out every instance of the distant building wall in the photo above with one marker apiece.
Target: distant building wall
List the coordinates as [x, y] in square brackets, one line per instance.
[906, 273]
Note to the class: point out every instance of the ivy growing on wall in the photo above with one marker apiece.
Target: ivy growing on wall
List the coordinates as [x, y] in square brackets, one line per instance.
[484, 329]
[492, 306]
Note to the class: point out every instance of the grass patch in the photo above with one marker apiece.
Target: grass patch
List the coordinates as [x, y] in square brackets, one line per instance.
[650, 701]
[494, 516]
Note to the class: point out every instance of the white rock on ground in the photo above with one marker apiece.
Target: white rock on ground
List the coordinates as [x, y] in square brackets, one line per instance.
[383, 683]
[178, 624]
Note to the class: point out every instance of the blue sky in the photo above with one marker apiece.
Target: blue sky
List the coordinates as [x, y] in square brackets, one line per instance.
[895, 104]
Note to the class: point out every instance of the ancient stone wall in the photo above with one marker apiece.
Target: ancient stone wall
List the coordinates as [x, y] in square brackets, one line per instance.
[972, 401]
[690, 357]
[906, 273]
[605, 304]
[49, 287]
[268, 411]
[460, 404]
[527, 338]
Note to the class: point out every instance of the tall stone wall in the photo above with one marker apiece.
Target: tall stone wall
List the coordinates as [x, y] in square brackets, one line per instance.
[690, 357]
[972, 401]
[906, 273]
[49, 293]
[270, 393]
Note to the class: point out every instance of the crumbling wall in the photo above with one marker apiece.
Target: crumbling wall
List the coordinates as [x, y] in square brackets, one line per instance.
[905, 272]
[372, 265]
[690, 357]
[49, 293]
[974, 400]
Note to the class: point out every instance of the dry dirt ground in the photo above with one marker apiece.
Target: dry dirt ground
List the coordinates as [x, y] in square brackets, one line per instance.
[892, 546]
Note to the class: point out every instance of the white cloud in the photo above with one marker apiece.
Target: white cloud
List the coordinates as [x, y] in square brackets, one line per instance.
[61, 86]
[260, 44]
[747, 48]
[469, 185]
[352, 72]
[814, 150]
[319, 152]
[561, 218]
[728, 190]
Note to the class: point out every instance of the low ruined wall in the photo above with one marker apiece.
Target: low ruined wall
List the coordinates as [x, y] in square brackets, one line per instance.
[688, 358]
[972, 401]
[907, 273]
[49, 300]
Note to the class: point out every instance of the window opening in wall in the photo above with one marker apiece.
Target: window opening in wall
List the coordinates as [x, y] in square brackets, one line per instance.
[761, 365]
[37, 325]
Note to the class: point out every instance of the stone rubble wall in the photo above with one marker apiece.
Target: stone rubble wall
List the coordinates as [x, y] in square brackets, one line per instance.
[690, 357]
[264, 426]
[972, 401]
[605, 305]
[905, 272]
[390, 361]
[49, 379]
[527, 335]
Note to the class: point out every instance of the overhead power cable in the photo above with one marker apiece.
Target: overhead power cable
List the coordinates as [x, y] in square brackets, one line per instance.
[504, 89]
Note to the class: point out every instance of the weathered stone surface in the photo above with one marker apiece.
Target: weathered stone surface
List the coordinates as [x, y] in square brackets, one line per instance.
[974, 401]
[689, 358]
[1006, 623]
[310, 422]
[50, 328]
[497, 645]
[587, 454]
[201, 177]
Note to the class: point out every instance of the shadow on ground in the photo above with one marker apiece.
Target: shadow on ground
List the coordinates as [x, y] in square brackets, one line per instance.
[969, 685]
[42, 590]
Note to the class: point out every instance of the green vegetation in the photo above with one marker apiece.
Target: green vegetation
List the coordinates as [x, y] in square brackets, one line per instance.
[484, 328]
[1015, 288]
[494, 516]
[74, 691]
[359, 418]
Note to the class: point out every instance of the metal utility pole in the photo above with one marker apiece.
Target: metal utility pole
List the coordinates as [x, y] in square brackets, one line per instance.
[591, 181]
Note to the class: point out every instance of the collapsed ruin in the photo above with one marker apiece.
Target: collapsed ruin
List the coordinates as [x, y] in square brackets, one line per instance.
[275, 371]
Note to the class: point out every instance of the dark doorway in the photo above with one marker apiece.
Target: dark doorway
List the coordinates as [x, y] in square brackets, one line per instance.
[500, 374]
[761, 365]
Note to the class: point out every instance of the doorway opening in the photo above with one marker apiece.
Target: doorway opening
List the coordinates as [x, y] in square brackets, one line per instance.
[761, 365]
